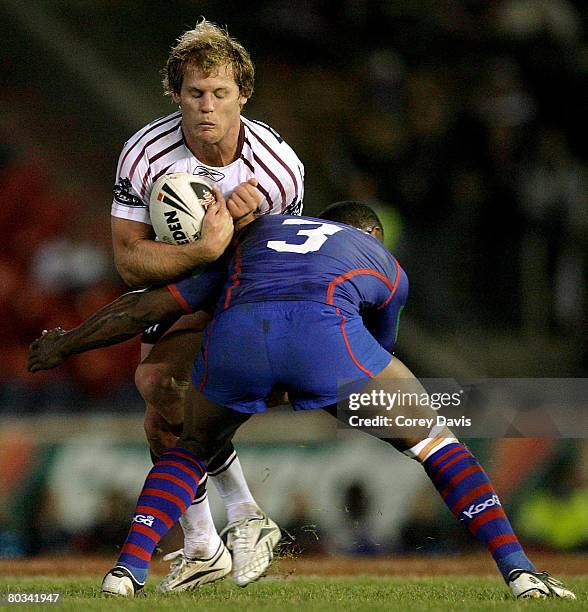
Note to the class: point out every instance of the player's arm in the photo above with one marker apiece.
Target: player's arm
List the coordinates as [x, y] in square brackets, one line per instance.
[141, 261]
[128, 316]
[120, 320]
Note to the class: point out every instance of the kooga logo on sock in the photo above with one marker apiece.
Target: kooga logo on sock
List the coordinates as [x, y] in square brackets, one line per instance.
[145, 519]
[476, 509]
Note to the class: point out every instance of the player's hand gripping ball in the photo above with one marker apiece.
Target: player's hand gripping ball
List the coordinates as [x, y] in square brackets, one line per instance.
[177, 206]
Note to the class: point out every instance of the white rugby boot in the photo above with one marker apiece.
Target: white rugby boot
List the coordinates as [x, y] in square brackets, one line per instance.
[186, 574]
[536, 585]
[119, 582]
[251, 542]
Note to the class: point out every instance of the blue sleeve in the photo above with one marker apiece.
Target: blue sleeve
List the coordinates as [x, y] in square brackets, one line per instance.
[200, 291]
[383, 325]
[383, 321]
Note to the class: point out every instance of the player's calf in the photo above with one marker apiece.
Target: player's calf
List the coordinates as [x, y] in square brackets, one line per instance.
[168, 491]
[468, 493]
[160, 434]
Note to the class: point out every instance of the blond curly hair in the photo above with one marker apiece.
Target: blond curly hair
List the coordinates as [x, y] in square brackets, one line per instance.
[208, 47]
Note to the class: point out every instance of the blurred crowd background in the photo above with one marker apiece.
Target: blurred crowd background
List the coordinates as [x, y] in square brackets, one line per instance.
[462, 121]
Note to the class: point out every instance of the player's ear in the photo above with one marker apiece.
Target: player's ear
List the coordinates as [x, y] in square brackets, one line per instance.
[242, 101]
[378, 232]
[176, 98]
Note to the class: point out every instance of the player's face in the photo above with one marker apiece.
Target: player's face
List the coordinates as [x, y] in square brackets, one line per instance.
[211, 106]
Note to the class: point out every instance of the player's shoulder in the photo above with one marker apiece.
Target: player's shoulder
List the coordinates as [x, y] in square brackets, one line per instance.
[153, 132]
[265, 138]
[327, 227]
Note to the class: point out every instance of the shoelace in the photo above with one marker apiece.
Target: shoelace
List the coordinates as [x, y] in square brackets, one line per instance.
[550, 581]
[546, 576]
[177, 558]
[174, 555]
[232, 525]
[242, 539]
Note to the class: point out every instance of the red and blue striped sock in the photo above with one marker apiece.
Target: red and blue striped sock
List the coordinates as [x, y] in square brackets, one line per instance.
[468, 493]
[169, 489]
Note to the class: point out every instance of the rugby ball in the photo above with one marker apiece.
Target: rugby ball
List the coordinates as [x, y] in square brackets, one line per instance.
[177, 206]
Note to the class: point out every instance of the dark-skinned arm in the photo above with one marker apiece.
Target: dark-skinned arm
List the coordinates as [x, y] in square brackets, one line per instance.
[120, 320]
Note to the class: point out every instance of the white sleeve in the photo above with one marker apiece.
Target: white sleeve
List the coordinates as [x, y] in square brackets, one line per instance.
[133, 182]
[295, 191]
[276, 166]
[291, 176]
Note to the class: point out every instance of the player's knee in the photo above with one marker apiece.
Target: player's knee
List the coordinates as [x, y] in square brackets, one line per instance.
[154, 383]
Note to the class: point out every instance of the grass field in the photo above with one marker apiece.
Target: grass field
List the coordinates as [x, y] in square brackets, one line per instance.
[438, 584]
[285, 595]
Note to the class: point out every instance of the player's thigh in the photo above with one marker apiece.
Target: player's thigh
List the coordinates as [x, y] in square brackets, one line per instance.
[163, 377]
[233, 368]
[397, 378]
[174, 353]
[331, 350]
[208, 426]
[172, 344]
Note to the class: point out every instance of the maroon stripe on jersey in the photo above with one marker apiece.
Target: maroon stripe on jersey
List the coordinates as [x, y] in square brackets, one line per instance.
[248, 163]
[274, 178]
[279, 160]
[144, 181]
[240, 140]
[267, 196]
[271, 175]
[148, 144]
[171, 147]
[162, 172]
[157, 123]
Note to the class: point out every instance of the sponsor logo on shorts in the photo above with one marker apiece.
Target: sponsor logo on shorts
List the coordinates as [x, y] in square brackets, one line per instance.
[477, 508]
[213, 175]
[146, 519]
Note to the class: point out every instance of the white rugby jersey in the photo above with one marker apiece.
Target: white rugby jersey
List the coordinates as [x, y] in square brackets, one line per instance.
[159, 149]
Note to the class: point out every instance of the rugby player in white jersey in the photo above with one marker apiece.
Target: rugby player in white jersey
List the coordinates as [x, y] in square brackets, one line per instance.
[209, 75]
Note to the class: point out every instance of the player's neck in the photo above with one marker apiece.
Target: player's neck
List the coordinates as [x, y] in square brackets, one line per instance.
[216, 154]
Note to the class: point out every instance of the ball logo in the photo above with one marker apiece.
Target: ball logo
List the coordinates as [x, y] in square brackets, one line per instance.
[477, 508]
[175, 227]
[146, 519]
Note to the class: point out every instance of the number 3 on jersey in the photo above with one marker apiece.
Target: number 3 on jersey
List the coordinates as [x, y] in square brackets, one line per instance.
[315, 237]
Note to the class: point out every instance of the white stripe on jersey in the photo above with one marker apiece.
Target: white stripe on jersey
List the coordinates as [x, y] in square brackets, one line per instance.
[159, 149]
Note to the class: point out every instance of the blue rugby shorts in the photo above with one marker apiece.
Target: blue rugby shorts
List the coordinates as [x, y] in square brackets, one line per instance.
[305, 348]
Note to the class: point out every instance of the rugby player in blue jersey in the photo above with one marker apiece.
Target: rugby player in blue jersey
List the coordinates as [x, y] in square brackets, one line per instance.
[299, 304]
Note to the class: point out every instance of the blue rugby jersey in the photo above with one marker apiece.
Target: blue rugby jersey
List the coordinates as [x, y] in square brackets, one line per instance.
[285, 258]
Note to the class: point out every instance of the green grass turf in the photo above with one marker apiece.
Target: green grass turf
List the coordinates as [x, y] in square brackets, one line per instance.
[297, 594]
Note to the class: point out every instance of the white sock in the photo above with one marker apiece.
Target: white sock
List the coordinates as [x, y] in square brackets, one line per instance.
[425, 448]
[234, 491]
[201, 539]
